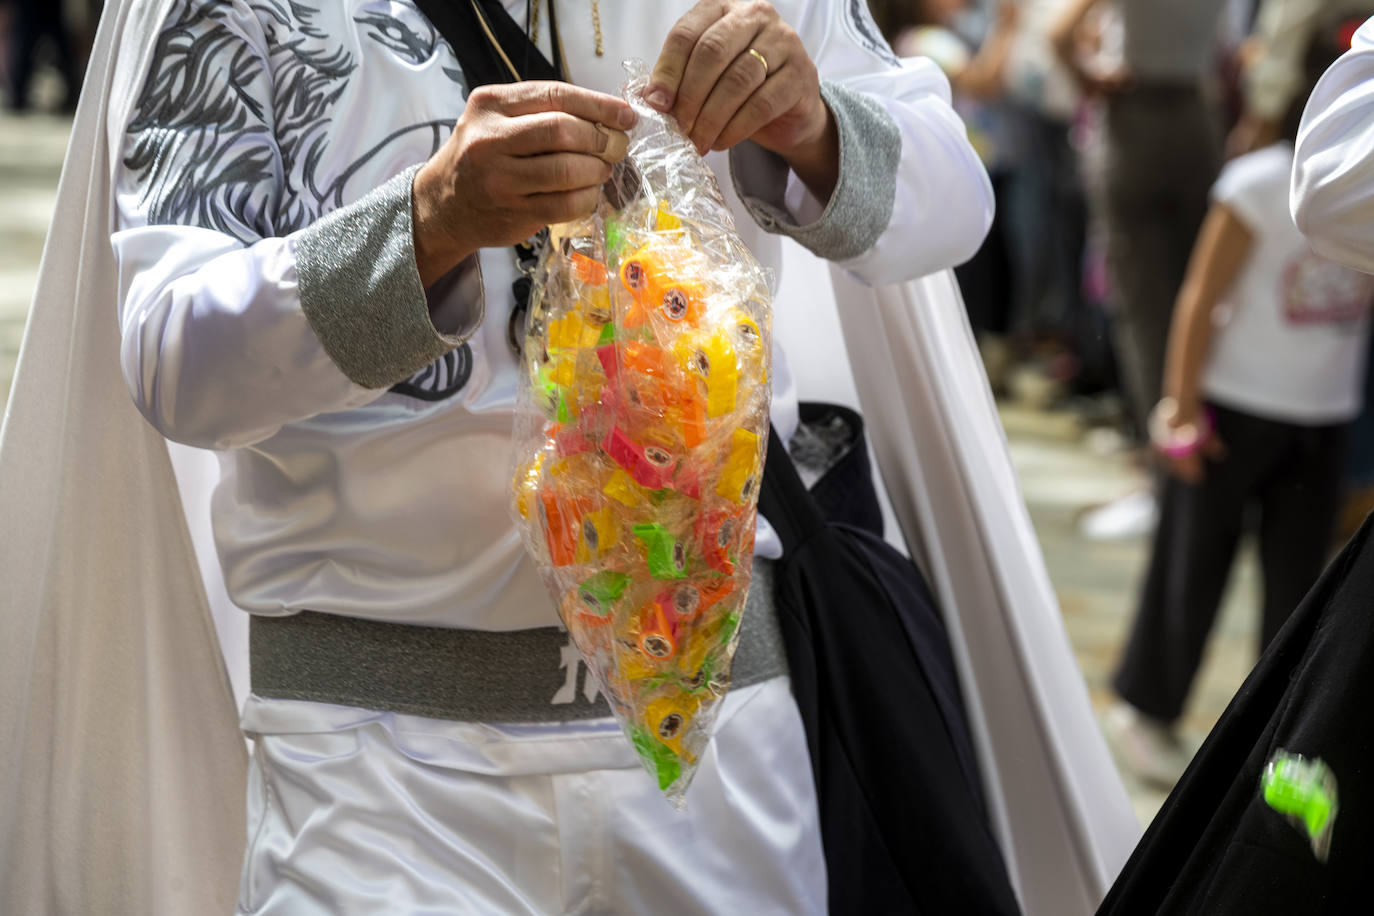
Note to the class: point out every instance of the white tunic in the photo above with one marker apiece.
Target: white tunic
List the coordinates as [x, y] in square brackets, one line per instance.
[254, 121]
[393, 504]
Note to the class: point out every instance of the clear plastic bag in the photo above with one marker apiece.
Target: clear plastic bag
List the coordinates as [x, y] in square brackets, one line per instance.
[641, 428]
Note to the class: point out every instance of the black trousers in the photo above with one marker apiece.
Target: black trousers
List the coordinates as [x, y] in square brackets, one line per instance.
[1216, 848]
[1162, 154]
[35, 21]
[1290, 477]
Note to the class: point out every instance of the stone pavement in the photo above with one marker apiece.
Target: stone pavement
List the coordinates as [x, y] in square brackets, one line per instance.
[1059, 474]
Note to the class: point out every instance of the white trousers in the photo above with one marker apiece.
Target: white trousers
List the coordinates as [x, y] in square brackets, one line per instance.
[351, 811]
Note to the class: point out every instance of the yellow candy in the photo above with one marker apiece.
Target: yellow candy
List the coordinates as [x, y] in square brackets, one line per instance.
[741, 467]
[573, 330]
[749, 342]
[527, 485]
[596, 303]
[623, 489]
[635, 666]
[564, 371]
[565, 333]
[722, 384]
[600, 532]
[664, 218]
[712, 358]
[668, 718]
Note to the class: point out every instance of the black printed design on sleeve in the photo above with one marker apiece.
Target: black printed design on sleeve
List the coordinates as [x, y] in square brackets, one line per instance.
[859, 21]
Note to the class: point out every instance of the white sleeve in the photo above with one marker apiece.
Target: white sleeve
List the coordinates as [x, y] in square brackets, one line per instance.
[232, 325]
[912, 196]
[1332, 195]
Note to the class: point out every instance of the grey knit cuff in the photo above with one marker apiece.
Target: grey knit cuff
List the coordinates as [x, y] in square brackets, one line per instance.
[861, 207]
[361, 291]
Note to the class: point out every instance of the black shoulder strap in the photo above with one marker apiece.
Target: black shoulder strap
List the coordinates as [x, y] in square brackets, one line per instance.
[784, 499]
[491, 47]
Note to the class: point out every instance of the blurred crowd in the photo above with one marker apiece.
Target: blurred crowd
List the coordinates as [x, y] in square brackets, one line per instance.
[1144, 271]
[45, 34]
[1104, 124]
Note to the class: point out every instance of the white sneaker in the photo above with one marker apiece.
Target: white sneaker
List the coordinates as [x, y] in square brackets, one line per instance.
[1146, 747]
[1129, 516]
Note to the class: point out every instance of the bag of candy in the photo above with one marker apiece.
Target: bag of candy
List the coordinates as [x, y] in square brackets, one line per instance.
[641, 427]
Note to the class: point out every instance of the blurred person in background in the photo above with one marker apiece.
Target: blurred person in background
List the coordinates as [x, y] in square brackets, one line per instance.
[973, 53]
[1265, 371]
[1274, 74]
[36, 22]
[1161, 150]
[1048, 203]
[1023, 289]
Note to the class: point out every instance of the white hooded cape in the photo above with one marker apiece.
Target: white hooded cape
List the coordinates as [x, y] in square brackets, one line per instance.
[122, 768]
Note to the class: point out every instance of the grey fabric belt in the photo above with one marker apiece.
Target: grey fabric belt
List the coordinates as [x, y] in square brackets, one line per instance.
[465, 675]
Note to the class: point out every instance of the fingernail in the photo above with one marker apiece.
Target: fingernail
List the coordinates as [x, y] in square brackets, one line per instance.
[627, 118]
[660, 99]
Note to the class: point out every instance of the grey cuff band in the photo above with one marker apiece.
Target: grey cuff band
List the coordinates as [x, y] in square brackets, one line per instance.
[361, 291]
[464, 675]
[861, 207]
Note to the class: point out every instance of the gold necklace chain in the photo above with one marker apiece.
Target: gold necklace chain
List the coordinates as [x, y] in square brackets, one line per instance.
[596, 25]
[596, 28]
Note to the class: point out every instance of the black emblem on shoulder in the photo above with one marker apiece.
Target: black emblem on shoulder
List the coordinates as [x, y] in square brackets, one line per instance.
[441, 379]
[865, 31]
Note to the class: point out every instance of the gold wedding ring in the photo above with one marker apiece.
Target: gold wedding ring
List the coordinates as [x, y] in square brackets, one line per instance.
[760, 58]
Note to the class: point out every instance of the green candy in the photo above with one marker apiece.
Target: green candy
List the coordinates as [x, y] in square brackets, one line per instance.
[667, 558]
[607, 334]
[665, 763]
[1305, 791]
[727, 629]
[602, 589]
[615, 236]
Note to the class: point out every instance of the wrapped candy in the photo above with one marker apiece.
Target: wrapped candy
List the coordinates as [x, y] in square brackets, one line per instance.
[640, 437]
[1304, 791]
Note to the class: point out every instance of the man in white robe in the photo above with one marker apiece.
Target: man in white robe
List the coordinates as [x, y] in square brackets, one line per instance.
[255, 156]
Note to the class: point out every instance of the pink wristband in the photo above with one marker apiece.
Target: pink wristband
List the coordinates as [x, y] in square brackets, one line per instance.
[1182, 441]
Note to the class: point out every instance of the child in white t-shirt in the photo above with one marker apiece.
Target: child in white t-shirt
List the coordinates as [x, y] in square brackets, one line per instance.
[1264, 373]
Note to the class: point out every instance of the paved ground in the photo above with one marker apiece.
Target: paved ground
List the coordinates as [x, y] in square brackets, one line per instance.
[1059, 472]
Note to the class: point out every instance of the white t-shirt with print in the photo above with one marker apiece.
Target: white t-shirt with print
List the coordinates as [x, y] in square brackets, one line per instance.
[1293, 329]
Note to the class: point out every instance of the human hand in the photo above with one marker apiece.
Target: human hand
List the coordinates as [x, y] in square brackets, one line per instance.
[710, 77]
[522, 156]
[1191, 468]
[1101, 83]
[1186, 439]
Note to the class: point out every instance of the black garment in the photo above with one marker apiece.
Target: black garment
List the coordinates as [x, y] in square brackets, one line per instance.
[986, 279]
[1217, 848]
[35, 21]
[903, 822]
[1162, 155]
[1048, 212]
[1292, 475]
